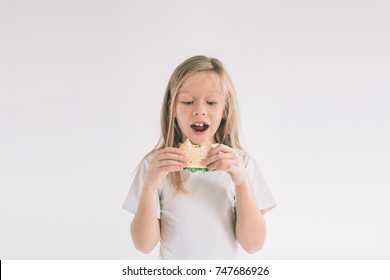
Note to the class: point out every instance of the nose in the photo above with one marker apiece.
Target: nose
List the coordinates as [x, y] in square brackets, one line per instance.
[199, 110]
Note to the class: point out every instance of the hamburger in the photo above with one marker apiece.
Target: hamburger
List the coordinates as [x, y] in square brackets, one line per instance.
[195, 154]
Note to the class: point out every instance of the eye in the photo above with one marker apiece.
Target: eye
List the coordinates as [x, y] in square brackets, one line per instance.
[187, 102]
[211, 102]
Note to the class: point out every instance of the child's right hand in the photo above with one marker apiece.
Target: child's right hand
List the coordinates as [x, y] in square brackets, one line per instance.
[166, 160]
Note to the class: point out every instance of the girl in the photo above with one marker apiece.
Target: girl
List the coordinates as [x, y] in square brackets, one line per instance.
[198, 215]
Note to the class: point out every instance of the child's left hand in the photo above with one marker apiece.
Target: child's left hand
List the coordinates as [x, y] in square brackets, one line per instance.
[226, 159]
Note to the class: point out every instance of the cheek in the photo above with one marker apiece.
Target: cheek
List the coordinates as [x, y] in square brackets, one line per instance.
[180, 113]
[218, 111]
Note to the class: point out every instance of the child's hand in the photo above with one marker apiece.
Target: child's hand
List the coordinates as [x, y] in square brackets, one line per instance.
[226, 159]
[165, 161]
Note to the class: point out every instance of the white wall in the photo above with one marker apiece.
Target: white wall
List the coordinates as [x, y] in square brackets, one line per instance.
[81, 89]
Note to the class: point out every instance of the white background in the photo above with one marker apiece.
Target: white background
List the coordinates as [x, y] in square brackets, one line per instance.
[81, 86]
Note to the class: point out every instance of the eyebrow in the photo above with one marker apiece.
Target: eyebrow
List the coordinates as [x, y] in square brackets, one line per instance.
[209, 92]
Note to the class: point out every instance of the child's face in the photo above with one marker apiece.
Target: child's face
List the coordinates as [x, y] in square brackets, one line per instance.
[199, 107]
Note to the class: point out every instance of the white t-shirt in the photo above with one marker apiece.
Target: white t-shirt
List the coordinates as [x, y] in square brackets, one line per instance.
[200, 224]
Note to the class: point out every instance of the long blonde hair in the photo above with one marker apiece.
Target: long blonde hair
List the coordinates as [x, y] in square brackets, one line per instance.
[171, 136]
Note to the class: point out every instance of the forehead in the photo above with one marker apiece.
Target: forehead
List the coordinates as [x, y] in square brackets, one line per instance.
[202, 83]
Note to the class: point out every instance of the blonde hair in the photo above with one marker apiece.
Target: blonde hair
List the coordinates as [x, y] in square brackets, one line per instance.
[171, 136]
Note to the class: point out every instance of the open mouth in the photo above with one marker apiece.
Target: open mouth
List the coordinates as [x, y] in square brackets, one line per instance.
[199, 128]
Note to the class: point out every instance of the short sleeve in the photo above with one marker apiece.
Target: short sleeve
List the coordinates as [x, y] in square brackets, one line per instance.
[264, 198]
[136, 184]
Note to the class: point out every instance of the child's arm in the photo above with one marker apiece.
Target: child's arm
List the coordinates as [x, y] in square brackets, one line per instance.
[145, 228]
[250, 225]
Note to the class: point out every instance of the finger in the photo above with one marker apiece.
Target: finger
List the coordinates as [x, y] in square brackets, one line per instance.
[225, 165]
[220, 148]
[171, 168]
[219, 156]
[165, 163]
[220, 166]
[172, 156]
[172, 150]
